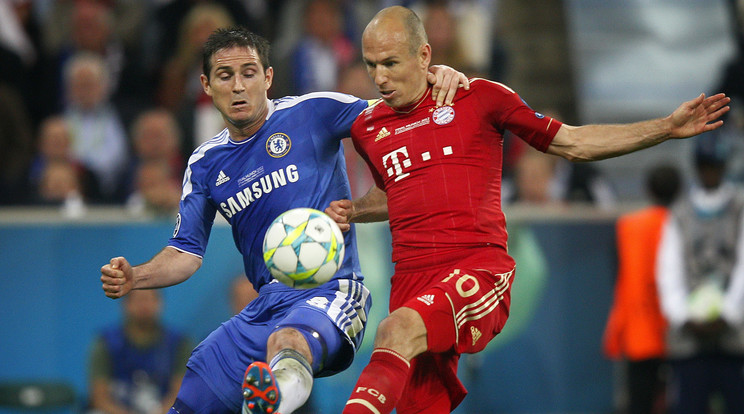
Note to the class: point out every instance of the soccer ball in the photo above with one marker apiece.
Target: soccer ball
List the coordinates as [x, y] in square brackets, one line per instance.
[705, 302]
[303, 248]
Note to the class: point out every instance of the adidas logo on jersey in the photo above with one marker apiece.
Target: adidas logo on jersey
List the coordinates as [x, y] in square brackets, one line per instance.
[382, 134]
[427, 299]
[222, 178]
[476, 334]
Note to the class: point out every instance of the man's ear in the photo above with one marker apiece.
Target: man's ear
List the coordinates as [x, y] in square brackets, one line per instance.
[205, 84]
[425, 55]
[269, 77]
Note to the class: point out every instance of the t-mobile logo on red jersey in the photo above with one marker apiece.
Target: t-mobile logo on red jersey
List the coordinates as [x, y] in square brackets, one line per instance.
[395, 162]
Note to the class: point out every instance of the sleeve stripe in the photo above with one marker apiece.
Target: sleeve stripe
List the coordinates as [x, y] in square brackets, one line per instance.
[198, 154]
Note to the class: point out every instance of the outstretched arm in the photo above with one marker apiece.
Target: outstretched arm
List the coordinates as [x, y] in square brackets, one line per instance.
[168, 267]
[368, 208]
[596, 142]
[445, 81]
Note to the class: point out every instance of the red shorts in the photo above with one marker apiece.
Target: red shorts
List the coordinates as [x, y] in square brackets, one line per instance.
[464, 304]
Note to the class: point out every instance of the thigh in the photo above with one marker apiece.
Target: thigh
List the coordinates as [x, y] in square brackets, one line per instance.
[465, 308]
[195, 397]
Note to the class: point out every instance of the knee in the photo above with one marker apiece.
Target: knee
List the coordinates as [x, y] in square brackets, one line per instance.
[403, 332]
[287, 338]
[389, 330]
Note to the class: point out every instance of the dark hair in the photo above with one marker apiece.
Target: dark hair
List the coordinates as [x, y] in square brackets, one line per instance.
[663, 183]
[711, 150]
[230, 37]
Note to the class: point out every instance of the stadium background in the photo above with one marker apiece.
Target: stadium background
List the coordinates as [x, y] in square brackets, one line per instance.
[599, 60]
[547, 360]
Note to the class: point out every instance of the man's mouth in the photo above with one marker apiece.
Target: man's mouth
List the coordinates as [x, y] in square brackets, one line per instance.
[238, 104]
[387, 94]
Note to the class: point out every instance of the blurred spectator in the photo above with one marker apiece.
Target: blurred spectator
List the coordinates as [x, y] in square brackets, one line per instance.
[54, 144]
[462, 34]
[89, 28]
[168, 18]
[111, 29]
[60, 186]
[180, 89]
[636, 328]
[99, 138]
[700, 275]
[534, 178]
[559, 181]
[136, 366]
[732, 82]
[16, 141]
[583, 183]
[156, 136]
[179, 78]
[446, 46]
[22, 61]
[241, 293]
[156, 193]
[324, 50]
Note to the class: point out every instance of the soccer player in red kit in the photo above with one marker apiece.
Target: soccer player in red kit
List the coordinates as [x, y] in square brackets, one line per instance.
[438, 180]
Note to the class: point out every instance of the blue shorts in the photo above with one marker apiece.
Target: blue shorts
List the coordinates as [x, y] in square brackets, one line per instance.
[332, 318]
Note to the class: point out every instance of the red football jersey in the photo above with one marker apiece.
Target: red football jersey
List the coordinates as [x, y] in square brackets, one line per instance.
[441, 167]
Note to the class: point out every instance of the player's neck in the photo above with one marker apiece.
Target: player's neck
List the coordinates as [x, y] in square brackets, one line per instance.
[240, 131]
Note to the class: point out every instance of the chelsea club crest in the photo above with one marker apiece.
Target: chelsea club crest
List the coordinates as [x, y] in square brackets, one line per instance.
[278, 145]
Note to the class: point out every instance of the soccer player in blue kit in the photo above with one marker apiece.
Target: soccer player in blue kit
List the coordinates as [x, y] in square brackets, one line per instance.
[273, 156]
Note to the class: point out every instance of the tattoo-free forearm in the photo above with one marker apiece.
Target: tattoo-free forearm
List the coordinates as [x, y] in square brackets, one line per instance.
[597, 142]
[370, 207]
[167, 268]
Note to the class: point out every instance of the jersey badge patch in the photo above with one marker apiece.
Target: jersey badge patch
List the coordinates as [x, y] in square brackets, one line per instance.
[278, 145]
[382, 134]
[443, 115]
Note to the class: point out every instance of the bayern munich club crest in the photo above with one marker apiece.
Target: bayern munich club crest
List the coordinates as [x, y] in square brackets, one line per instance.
[443, 115]
[278, 145]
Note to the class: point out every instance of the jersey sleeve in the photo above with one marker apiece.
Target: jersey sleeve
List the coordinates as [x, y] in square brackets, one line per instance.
[339, 111]
[195, 218]
[507, 111]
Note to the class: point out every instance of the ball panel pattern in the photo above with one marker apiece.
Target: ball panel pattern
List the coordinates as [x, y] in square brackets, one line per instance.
[303, 248]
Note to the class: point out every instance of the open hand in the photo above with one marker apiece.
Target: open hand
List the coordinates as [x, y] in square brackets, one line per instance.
[698, 115]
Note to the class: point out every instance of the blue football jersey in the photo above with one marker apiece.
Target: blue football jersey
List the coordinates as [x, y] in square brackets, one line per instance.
[294, 160]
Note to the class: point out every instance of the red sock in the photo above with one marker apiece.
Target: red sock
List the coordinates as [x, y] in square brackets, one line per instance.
[380, 385]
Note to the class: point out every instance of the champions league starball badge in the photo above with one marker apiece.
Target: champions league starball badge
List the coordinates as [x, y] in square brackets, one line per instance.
[443, 115]
[278, 145]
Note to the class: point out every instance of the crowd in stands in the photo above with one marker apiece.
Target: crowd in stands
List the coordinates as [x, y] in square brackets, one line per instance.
[101, 104]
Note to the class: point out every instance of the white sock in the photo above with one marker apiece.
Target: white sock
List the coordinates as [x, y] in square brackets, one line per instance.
[294, 377]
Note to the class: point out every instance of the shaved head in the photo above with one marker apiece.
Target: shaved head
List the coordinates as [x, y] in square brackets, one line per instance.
[402, 20]
[397, 55]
